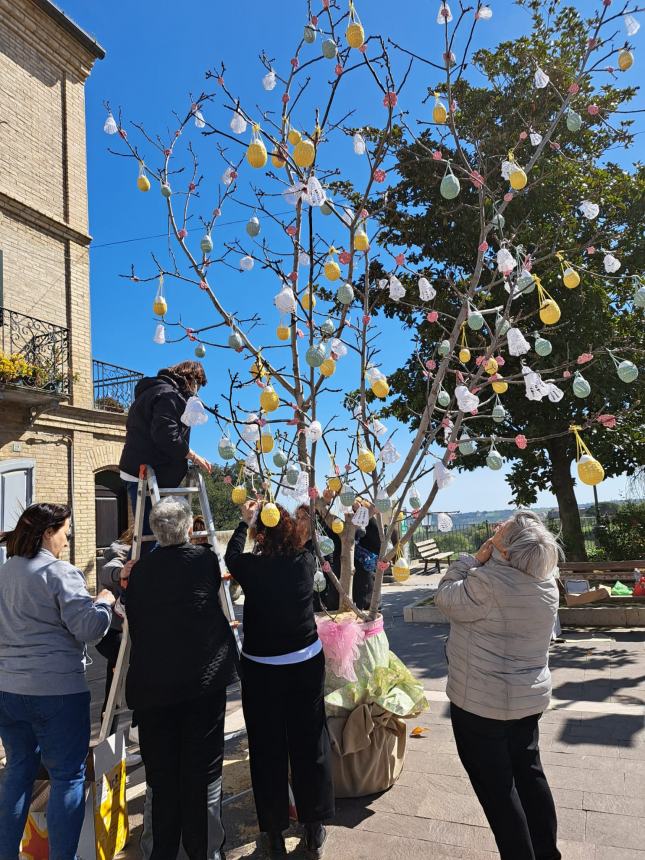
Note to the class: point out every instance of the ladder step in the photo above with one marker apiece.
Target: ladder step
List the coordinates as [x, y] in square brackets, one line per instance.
[178, 491]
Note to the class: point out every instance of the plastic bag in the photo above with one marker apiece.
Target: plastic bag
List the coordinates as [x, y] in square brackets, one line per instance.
[621, 590]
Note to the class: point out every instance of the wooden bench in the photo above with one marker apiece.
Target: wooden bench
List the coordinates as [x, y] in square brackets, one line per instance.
[429, 554]
[602, 571]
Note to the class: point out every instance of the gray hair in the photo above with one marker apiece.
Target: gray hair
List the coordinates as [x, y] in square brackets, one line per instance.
[171, 520]
[530, 546]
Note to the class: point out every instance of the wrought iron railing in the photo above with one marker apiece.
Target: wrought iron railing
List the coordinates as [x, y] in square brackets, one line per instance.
[34, 353]
[114, 386]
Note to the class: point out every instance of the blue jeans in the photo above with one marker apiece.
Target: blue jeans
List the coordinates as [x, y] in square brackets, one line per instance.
[56, 730]
[146, 546]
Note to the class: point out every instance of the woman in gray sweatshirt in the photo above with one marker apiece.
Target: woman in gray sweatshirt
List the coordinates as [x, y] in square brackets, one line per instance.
[46, 618]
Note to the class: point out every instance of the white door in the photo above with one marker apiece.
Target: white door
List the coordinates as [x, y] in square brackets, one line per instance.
[16, 492]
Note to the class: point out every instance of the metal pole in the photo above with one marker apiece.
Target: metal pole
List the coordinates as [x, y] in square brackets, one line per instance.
[595, 501]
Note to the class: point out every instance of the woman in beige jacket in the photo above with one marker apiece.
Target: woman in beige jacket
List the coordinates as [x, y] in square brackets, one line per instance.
[502, 605]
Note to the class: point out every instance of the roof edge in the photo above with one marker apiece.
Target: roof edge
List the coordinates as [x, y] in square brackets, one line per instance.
[71, 27]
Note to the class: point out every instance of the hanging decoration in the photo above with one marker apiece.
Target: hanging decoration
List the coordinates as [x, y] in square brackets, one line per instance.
[611, 263]
[159, 335]
[235, 341]
[570, 277]
[475, 319]
[337, 526]
[494, 459]
[439, 112]
[464, 352]
[238, 123]
[536, 389]
[450, 186]
[280, 458]
[525, 283]
[253, 226]
[304, 153]
[166, 190]
[270, 515]
[400, 568]
[540, 79]
[543, 347]
[383, 502]
[160, 306]
[285, 301]
[269, 81]
[626, 370]
[590, 471]
[256, 154]
[466, 444]
[397, 290]
[328, 367]
[632, 25]
[444, 522]
[309, 34]
[502, 325]
[315, 355]
[329, 49]
[206, 243]
[360, 147]
[269, 400]
[143, 183]
[347, 496]
[549, 308]
[589, 210]
[226, 448]
[110, 126]
[292, 474]
[444, 348]
[345, 294]
[466, 401]
[625, 59]
[506, 262]
[355, 34]
[574, 120]
[444, 15]
[517, 176]
[366, 461]
[581, 387]
[517, 343]
[442, 475]
[443, 398]
[499, 413]
[314, 431]
[500, 386]
[361, 517]
[200, 350]
[332, 269]
[426, 291]
[389, 454]
[246, 263]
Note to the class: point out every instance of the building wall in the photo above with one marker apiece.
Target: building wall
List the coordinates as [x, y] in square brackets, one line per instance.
[45, 243]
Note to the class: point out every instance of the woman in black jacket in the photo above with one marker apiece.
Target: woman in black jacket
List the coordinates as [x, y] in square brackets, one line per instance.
[182, 659]
[283, 678]
[155, 434]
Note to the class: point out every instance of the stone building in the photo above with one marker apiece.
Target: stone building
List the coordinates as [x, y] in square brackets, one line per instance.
[61, 412]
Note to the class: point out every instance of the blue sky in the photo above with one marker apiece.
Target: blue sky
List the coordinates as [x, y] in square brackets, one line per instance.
[157, 53]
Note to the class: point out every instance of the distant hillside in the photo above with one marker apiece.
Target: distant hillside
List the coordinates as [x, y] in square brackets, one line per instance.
[472, 517]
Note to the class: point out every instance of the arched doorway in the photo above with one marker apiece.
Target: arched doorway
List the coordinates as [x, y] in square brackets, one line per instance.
[111, 510]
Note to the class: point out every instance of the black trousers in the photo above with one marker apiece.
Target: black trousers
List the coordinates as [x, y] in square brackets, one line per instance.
[182, 747]
[502, 760]
[362, 587]
[285, 719]
[108, 647]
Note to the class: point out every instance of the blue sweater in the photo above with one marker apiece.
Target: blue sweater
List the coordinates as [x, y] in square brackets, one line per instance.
[46, 618]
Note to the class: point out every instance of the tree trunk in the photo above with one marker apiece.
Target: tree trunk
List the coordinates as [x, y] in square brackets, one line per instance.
[347, 561]
[562, 486]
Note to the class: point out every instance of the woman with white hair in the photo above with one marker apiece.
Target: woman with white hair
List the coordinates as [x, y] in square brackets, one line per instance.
[502, 604]
[182, 659]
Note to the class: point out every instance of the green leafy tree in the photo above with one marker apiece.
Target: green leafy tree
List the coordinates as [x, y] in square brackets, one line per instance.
[226, 515]
[440, 235]
[623, 535]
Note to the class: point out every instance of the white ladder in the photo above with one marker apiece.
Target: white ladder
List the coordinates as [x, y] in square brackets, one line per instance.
[116, 708]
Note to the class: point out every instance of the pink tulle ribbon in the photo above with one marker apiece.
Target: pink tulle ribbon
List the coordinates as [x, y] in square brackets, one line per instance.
[341, 643]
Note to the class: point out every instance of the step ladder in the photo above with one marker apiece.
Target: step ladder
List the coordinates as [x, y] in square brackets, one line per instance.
[116, 710]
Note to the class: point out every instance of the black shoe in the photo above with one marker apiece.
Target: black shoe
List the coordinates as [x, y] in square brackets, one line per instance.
[315, 838]
[277, 848]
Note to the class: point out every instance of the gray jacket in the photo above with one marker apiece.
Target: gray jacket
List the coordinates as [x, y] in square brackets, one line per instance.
[501, 621]
[46, 617]
[114, 558]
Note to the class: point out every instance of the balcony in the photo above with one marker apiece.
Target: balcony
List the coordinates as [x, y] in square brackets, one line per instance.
[113, 386]
[34, 357]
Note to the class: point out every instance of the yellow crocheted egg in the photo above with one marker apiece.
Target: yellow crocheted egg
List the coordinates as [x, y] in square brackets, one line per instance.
[361, 242]
[518, 179]
[625, 60]
[590, 471]
[308, 301]
[464, 355]
[571, 278]
[439, 113]
[355, 35]
[401, 570]
[332, 270]
[549, 312]
[500, 386]
[294, 137]
[337, 526]
[304, 153]
[328, 367]
[381, 388]
[258, 369]
[334, 483]
[269, 400]
[266, 443]
[143, 183]
[366, 460]
[238, 494]
[491, 366]
[277, 160]
[159, 306]
[270, 515]
[256, 154]
[283, 332]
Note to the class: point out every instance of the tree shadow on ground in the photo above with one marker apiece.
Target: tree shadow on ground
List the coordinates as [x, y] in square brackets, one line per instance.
[601, 689]
[618, 730]
[582, 657]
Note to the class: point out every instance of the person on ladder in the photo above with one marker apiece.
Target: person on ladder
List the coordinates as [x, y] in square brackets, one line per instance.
[155, 434]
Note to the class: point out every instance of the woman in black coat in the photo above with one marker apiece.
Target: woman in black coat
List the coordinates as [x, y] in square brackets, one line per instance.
[283, 679]
[156, 436]
[182, 659]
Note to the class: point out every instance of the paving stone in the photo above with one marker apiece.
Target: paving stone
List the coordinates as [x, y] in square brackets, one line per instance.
[432, 830]
[613, 804]
[606, 852]
[574, 850]
[587, 780]
[617, 831]
[367, 845]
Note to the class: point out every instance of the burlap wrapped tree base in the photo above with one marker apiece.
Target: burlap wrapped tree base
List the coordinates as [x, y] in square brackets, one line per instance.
[366, 716]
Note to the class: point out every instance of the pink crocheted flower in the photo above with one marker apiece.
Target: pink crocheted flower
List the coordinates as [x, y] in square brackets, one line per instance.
[452, 446]
[285, 98]
[400, 259]
[182, 233]
[567, 374]
[593, 110]
[291, 230]
[326, 567]
[228, 479]
[431, 364]
[574, 88]
[608, 421]
[520, 441]
[523, 135]
[584, 357]
[508, 197]
[437, 155]
[433, 316]
[382, 565]
[339, 69]
[390, 99]
[379, 175]
[483, 247]
[313, 492]
[344, 257]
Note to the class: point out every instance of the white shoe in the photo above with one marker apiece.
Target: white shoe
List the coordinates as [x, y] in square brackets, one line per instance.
[132, 759]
